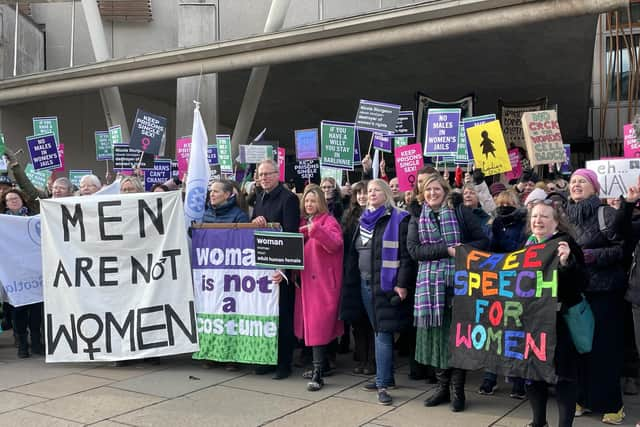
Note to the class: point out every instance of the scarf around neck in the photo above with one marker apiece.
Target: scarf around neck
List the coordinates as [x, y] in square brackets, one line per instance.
[368, 222]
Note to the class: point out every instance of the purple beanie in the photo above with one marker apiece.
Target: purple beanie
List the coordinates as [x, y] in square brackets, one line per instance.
[590, 176]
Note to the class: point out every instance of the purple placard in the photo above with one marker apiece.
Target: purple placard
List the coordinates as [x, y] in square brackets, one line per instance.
[382, 142]
[443, 127]
[44, 152]
[306, 144]
[212, 154]
[160, 173]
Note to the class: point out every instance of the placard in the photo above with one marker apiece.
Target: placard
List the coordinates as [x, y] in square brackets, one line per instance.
[516, 165]
[405, 126]
[104, 149]
[615, 176]
[160, 173]
[565, 168]
[280, 250]
[147, 132]
[212, 154]
[76, 175]
[38, 178]
[307, 170]
[425, 103]
[306, 144]
[117, 281]
[46, 125]
[281, 162]
[2, 144]
[543, 138]
[401, 141]
[510, 116]
[336, 174]
[61, 154]
[254, 153]
[443, 128]
[337, 144]
[236, 301]
[464, 155]
[224, 153]
[115, 134]
[125, 157]
[631, 143]
[381, 142]
[504, 311]
[409, 161]
[377, 116]
[43, 151]
[489, 149]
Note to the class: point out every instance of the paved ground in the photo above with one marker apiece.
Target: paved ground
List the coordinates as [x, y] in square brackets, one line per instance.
[179, 392]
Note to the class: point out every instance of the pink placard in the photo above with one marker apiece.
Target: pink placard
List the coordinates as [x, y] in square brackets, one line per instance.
[281, 153]
[183, 149]
[408, 161]
[516, 165]
[61, 154]
[631, 143]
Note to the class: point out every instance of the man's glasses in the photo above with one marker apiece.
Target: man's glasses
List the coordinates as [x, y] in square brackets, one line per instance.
[266, 174]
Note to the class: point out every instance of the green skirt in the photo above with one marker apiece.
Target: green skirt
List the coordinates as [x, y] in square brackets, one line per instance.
[432, 343]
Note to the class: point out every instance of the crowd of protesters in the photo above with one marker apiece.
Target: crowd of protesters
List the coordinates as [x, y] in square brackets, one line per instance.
[378, 273]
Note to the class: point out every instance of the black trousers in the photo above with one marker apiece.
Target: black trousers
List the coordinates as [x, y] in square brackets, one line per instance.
[566, 396]
[28, 316]
[286, 338]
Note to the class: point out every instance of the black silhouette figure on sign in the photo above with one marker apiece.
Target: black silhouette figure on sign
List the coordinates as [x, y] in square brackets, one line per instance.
[487, 145]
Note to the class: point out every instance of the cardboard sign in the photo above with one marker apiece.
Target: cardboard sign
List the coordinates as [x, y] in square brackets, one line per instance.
[120, 305]
[516, 165]
[464, 155]
[504, 311]
[381, 142]
[510, 116]
[489, 149]
[46, 125]
[76, 175]
[337, 146]
[377, 116]
[543, 138]
[409, 161]
[212, 155]
[125, 157]
[281, 162]
[237, 303]
[615, 175]
[160, 173]
[443, 128]
[104, 149]
[148, 132]
[279, 250]
[223, 143]
[631, 143]
[306, 144]
[405, 126]
[254, 153]
[115, 134]
[43, 151]
[37, 178]
[21, 266]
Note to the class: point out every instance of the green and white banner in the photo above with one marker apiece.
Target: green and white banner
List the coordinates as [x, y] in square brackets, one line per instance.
[236, 301]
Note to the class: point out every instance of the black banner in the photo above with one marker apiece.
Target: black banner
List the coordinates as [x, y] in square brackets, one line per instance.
[125, 157]
[148, 132]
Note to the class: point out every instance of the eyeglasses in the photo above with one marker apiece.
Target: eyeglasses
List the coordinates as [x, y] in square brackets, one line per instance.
[546, 202]
[266, 174]
[12, 199]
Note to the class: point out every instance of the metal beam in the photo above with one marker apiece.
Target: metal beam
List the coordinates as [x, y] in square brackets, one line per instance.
[374, 31]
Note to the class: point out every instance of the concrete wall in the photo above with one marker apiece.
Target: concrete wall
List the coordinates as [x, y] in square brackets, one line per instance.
[30, 44]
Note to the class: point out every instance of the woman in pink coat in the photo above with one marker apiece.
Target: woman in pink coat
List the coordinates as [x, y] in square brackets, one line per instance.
[317, 297]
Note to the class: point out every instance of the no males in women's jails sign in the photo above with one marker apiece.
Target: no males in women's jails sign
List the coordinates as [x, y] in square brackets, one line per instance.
[117, 278]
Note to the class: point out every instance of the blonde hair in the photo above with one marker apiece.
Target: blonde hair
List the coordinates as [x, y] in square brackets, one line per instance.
[436, 177]
[382, 184]
[317, 191]
[507, 197]
[137, 184]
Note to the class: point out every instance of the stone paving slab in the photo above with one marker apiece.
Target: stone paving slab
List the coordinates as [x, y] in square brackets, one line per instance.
[122, 373]
[30, 419]
[400, 395]
[61, 386]
[10, 401]
[215, 406]
[95, 405]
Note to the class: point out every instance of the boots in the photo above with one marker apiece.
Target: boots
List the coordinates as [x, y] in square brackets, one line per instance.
[442, 394]
[316, 382]
[458, 377]
[23, 346]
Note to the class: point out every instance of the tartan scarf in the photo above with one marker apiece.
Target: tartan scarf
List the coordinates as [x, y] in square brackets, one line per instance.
[436, 275]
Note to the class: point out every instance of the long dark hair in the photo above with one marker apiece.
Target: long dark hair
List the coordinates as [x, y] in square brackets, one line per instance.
[352, 216]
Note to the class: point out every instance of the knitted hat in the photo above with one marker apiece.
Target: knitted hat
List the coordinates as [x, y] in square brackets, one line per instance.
[496, 188]
[535, 195]
[590, 176]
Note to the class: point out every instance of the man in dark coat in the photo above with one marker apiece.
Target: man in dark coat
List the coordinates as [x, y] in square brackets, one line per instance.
[277, 204]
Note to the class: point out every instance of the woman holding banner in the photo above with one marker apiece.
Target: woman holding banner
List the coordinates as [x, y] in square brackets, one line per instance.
[600, 370]
[318, 294]
[432, 241]
[223, 204]
[379, 265]
[547, 223]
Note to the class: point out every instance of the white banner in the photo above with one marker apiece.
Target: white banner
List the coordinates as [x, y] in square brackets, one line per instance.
[615, 176]
[21, 266]
[117, 278]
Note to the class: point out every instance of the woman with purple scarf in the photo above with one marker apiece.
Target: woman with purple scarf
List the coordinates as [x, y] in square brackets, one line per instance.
[378, 264]
[432, 241]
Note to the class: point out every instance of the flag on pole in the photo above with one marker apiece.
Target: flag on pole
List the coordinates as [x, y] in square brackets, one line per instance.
[376, 164]
[197, 172]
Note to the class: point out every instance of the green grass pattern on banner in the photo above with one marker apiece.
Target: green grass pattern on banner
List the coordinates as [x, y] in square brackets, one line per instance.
[237, 348]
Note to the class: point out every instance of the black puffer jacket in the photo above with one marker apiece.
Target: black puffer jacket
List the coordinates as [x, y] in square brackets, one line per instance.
[388, 318]
[605, 273]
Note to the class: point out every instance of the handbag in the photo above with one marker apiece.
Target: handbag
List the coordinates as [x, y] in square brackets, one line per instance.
[581, 324]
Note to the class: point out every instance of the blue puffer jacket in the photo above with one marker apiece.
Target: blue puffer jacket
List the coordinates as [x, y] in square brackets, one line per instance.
[228, 212]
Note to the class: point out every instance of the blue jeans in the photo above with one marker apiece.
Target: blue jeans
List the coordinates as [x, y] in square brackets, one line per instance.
[383, 341]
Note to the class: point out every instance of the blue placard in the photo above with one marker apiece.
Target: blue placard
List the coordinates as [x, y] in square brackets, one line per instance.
[44, 152]
[160, 173]
[212, 154]
[306, 144]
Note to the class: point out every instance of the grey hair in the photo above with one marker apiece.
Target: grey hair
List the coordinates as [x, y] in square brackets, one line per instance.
[389, 202]
[63, 180]
[135, 181]
[93, 179]
[270, 162]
